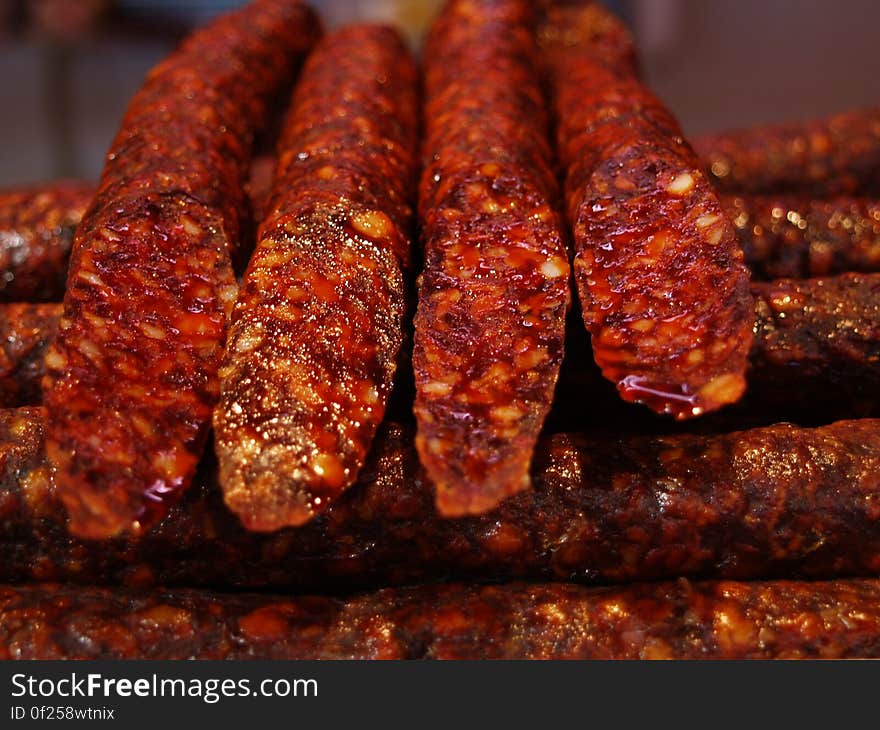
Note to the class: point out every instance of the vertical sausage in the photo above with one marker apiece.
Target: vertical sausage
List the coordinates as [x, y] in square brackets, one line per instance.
[36, 235]
[663, 289]
[798, 237]
[132, 376]
[318, 325]
[838, 155]
[490, 322]
[681, 620]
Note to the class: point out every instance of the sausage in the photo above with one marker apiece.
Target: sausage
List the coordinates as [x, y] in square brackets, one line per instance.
[837, 155]
[678, 620]
[319, 322]
[651, 240]
[794, 236]
[36, 234]
[25, 332]
[781, 500]
[131, 378]
[490, 321]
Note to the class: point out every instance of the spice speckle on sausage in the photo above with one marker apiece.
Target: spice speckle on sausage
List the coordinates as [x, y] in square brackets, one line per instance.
[132, 376]
[662, 286]
[319, 322]
[489, 328]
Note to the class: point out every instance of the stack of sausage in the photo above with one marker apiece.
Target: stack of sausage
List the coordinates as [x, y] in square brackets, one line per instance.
[408, 414]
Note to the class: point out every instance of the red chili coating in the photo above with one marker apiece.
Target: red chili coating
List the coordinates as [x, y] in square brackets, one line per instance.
[490, 323]
[794, 236]
[132, 377]
[36, 234]
[319, 322]
[837, 155]
[658, 269]
[680, 620]
[774, 501]
[26, 330]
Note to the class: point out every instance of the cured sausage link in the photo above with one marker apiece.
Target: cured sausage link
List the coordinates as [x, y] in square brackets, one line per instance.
[837, 155]
[132, 376]
[36, 234]
[26, 330]
[490, 323]
[319, 322]
[681, 620]
[794, 236]
[775, 501]
[659, 273]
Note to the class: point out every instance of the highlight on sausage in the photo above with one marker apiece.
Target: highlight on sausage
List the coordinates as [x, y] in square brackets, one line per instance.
[132, 376]
[680, 620]
[651, 239]
[837, 155]
[493, 294]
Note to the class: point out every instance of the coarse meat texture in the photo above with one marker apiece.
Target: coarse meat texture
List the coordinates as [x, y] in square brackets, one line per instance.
[778, 501]
[658, 269]
[796, 236]
[131, 378]
[680, 620]
[26, 330]
[837, 155]
[317, 330]
[37, 225]
[494, 290]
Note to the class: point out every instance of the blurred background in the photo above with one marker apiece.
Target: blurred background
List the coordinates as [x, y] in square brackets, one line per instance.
[68, 67]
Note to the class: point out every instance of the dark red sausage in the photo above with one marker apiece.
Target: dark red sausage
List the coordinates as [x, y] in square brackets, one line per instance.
[775, 501]
[132, 376]
[489, 328]
[798, 237]
[659, 272]
[682, 620]
[319, 322]
[26, 330]
[36, 234]
[838, 155]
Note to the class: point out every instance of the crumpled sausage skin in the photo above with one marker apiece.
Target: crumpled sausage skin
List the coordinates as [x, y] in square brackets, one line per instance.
[837, 155]
[680, 620]
[489, 328]
[795, 236]
[319, 322]
[774, 501]
[659, 273]
[132, 376]
[37, 225]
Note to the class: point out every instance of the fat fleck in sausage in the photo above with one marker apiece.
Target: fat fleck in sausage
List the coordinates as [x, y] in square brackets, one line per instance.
[776, 501]
[489, 328]
[36, 234]
[662, 286]
[132, 376]
[795, 236]
[838, 155]
[319, 321]
[681, 620]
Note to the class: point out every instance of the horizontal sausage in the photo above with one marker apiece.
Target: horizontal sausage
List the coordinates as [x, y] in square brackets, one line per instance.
[493, 293]
[681, 620]
[131, 379]
[318, 325]
[795, 236]
[776, 501]
[37, 225]
[659, 272]
[837, 155]
[25, 332]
